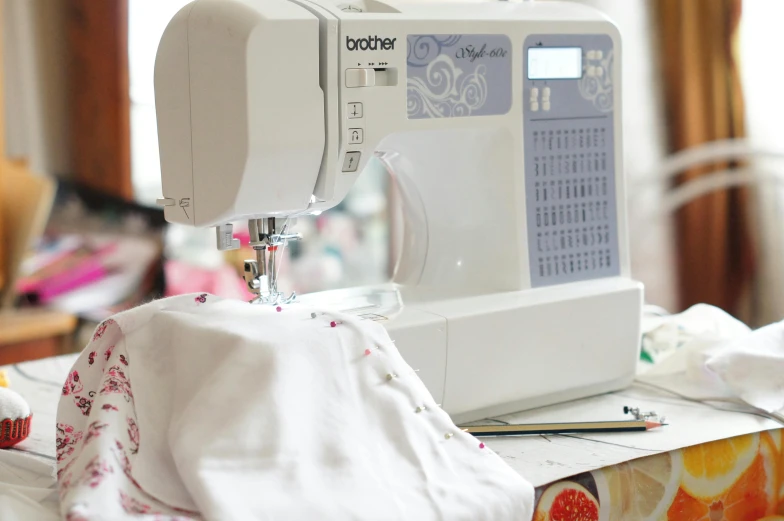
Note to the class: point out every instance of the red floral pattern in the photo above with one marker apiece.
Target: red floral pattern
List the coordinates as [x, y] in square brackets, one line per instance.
[73, 384]
[201, 299]
[64, 485]
[96, 471]
[125, 464]
[84, 404]
[122, 459]
[101, 329]
[67, 437]
[134, 506]
[133, 434]
[115, 381]
[64, 469]
[94, 430]
[106, 473]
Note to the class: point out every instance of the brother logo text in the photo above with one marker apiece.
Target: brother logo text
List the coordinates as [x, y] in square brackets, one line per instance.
[371, 43]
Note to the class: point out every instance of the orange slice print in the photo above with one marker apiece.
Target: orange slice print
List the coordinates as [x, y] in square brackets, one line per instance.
[710, 469]
[639, 490]
[751, 497]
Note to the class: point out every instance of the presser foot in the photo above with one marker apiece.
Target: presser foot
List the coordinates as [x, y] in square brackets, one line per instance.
[261, 273]
[256, 281]
[275, 300]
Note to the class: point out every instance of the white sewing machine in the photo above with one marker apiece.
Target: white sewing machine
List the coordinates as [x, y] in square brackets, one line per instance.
[501, 125]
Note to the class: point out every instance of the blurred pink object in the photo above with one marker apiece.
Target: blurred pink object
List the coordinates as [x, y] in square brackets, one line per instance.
[182, 278]
[88, 272]
[243, 236]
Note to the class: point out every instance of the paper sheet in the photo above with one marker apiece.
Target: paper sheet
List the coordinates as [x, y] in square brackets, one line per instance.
[544, 459]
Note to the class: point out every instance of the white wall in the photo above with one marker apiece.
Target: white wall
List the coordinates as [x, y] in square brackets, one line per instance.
[762, 72]
[146, 22]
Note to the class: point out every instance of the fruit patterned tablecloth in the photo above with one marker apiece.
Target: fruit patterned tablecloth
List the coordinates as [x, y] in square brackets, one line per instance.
[735, 479]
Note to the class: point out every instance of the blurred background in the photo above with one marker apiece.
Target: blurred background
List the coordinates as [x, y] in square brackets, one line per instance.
[81, 238]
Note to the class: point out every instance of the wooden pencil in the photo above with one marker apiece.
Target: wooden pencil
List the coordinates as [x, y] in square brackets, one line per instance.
[557, 428]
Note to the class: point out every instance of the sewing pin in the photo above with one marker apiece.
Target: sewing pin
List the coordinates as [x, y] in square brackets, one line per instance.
[420, 408]
[390, 376]
[448, 435]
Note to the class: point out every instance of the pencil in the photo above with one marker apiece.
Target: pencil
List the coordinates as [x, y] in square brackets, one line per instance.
[557, 428]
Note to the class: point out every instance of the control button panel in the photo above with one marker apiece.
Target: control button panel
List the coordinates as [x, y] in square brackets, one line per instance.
[546, 99]
[351, 161]
[354, 110]
[570, 171]
[534, 99]
[356, 136]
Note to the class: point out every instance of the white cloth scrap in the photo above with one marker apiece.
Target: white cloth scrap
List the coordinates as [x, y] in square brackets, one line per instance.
[196, 407]
[679, 343]
[705, 353]
[753, 367]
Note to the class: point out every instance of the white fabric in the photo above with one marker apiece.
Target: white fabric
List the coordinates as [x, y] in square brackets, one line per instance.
[678, 343]
[197, 407]
[705, 353]
[753, 367]
[12, 406]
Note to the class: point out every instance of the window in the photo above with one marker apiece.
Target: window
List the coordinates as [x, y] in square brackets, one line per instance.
[146, 23]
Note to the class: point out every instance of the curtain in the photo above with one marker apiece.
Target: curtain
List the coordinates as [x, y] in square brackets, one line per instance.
[97, 36]
[703, 103]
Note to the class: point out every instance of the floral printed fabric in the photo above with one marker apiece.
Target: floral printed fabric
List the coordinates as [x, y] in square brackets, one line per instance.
[97, 438]
[197, 407]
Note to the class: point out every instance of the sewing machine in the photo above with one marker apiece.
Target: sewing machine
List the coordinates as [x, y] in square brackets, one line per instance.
[500, 123]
